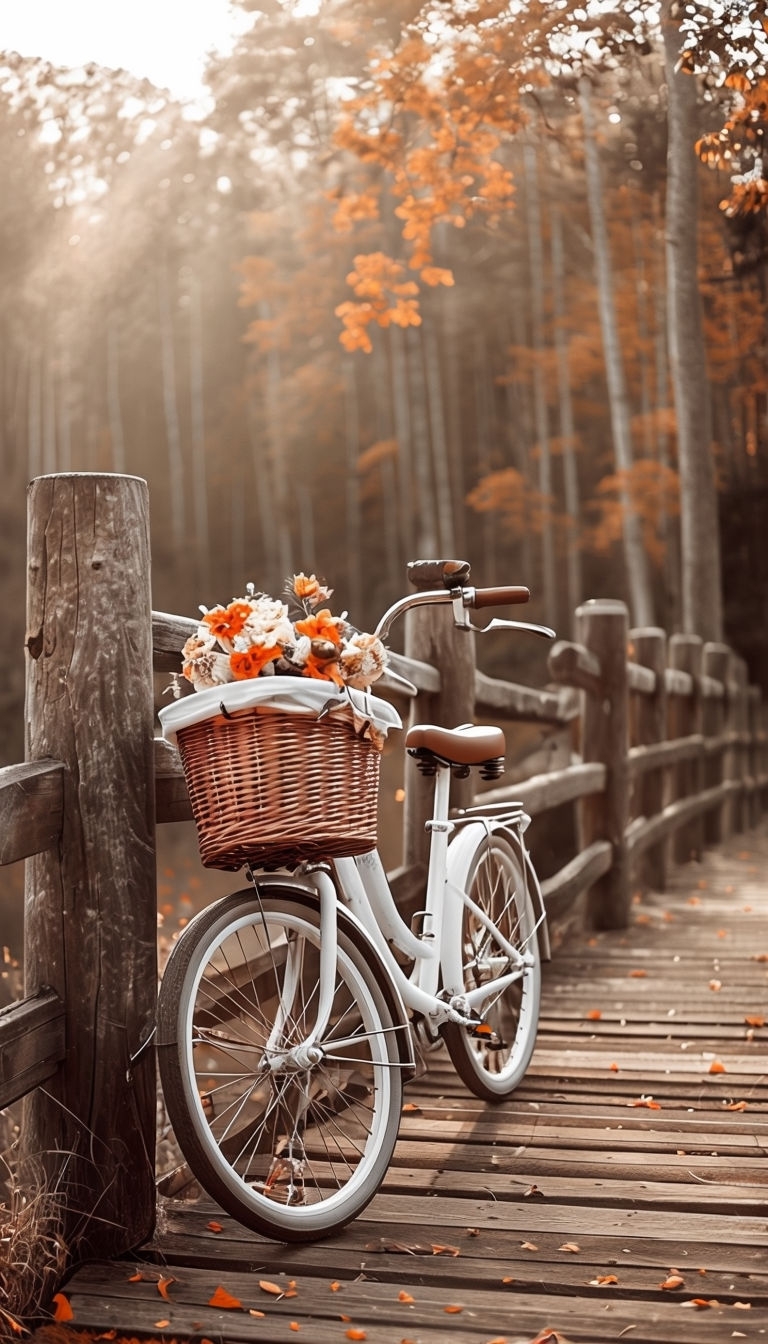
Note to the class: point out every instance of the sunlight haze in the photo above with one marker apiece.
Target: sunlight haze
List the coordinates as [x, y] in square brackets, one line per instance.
[165, 41]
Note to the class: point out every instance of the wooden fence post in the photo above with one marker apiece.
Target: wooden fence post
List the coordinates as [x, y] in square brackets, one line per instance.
[90, 917]
[602, 626]
[431, 637]
[715, 665]
[741, 745]
[754, 726]
[650, 649]
[685, 654]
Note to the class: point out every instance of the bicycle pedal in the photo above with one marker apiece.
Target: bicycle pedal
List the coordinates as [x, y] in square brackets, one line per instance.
[491, 1040]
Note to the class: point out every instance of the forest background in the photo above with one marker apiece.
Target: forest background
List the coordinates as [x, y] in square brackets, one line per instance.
[475, 279]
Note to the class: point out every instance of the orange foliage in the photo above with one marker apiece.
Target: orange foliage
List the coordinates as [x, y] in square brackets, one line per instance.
[522, 507]
[653, 493]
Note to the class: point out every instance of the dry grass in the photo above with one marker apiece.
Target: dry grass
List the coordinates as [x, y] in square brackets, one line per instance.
[33, 1252]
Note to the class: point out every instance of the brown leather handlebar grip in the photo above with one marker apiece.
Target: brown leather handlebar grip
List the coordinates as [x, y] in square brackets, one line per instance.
[500, 597]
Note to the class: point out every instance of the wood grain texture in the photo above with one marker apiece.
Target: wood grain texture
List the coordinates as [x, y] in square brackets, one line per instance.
[31, 808]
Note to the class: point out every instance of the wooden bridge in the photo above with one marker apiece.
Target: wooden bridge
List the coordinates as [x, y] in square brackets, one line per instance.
[631, 1157]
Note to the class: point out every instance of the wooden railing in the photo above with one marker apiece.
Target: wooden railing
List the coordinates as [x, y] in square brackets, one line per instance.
[671, 755]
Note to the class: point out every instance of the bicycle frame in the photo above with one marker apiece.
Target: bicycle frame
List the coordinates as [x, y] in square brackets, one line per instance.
[365, 892]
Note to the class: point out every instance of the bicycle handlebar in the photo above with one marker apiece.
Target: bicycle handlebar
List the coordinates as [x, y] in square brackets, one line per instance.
[497, 597]
[462, 597]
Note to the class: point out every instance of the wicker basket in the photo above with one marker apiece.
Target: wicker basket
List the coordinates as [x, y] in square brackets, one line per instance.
[274, 789]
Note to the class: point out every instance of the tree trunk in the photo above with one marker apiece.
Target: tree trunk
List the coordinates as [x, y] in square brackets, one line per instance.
[638, 576]
[440, 456]
[113, 394]
[536, 262]
[700, 545]
[567, 426]
[170, 407]
[197, 425]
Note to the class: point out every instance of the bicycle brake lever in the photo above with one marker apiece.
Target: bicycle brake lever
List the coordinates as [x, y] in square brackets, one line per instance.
[497, 624]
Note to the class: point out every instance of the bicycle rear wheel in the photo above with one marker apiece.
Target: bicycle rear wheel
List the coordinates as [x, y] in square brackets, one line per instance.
[491, 1059]
[292, 1148]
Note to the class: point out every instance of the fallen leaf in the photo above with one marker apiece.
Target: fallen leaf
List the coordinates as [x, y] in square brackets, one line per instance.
[603, 1280]
[294, 1325]
[473, 1231]
[673, 1280]
[437, 1249]
[410, 1108]
[274, 1288]
[136, 1278]
[572, 1246]
[162, 1287]
[533, 1192]
[342, 1317]
[701, 1303]
[638, 975]
[754, 1020]
[548, 1336]
[213, 1226]
[402, 1296]
[716, 1067]
[722, 933]
[62, 1310]
[694, 900]
[498, 1339]
[648, 1102]
[594, 1015]
[335, 1286]
[160, 1325]
[759, 956]
[221, 1298]
[716, 985]
[253, 1312]
[356, 1334]
[508, 1279]
[613, 1067]
[735, 1105]
[528, 1246]
[453, 1309]
[742, 1306]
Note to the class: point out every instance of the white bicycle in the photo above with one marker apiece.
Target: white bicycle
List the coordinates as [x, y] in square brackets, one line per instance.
[289, 1010]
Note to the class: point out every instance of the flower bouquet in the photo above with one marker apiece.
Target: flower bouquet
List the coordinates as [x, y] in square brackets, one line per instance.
[281, 746]
[256, 636]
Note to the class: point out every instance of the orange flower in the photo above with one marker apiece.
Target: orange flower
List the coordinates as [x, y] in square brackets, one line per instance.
[309, 589]
[249, 664]
[226, 622]
[321, 626]
[322, 670]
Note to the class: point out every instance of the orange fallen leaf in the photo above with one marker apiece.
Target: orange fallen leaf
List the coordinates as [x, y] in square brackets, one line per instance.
[549, 1336]
[453, 1309]
[673, 1280]
[410, 1108]
[722, 933]
[736, 1106]
[694, 900]
[473, 1231]
[716, 985]
[572, 1246]
[221, 1298]
[356, 1334]
[759, 956]
[160, 1325]
[499, 1339]
[648, 1102]
[701, 1303]
[294, 1325]
[213, 1226]
[253, 1312]
[136, 1278]
[402, 1296]
[717, 1067]
[533, 1192]
[508, 1279]
[754, 1020]
[594, 1015]
[274, 1288]
[603, 1280]
[528, 1246]
[162, 1287]
[638, 975]
[613, 1066]
[437, 1249]
[335, 1286]
[62, 1309]
[342, 1317]
[741, 1306]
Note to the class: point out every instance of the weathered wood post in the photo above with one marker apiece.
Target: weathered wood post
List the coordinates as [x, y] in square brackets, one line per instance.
[602, 626]
[90, 917]
[650, 650]
[740, 797]
[753, 719]
[685, 654]
[431, 637]
[715, 666]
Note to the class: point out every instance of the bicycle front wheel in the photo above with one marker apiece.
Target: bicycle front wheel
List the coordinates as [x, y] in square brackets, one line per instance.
[491, 1058]
[293, 1146]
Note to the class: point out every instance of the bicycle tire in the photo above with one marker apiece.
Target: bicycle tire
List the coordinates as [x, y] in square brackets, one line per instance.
[295, 1154]
[493, 1060]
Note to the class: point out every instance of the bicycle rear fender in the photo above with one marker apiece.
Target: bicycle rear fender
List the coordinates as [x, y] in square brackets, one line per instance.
[357, 932]
[470, 832]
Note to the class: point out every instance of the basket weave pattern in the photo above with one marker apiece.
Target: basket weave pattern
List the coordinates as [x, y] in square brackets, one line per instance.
[275, 789]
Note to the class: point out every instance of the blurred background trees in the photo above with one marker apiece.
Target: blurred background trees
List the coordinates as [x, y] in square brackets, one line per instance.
[409, 283]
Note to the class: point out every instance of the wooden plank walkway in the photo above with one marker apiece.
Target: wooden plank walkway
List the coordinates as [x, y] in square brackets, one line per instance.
[619, 1195]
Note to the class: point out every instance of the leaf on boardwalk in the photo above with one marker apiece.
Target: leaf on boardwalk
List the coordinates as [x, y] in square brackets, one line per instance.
[162, 1287]
[213, 1226]
[453, 1308]
[136, 1278]
[473, 1231]
[549, 1336]
[253, 1312]
[62, 1308]
[528, 1246]
[701, 1303]
[717, 1066]
[672, 1281]
[716, 985]
[603, 1281]
[274, 1288]
[754, 1020]
[221, 1298]
[438, 1249]
[572, 1246]
[335, 1286]
[294, 1325]
[638, 974]
[613, 1066]
[410, 1108]
[397, 1247]
[759, 956]
[160, 1325]
[402, 1296]
[354, 1333]
[594, 1015]
[533, 1192]
[648, 1102]
[735, 1105]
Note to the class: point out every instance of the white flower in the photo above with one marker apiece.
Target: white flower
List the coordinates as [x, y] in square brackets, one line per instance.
[362, 661]
[268, 624]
